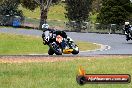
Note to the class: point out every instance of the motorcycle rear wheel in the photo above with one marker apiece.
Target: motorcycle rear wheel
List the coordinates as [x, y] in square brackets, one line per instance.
[50, 51]
[57, 50]
[75, 51]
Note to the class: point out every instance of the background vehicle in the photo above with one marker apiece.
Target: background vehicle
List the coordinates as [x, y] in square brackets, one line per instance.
[128, 34]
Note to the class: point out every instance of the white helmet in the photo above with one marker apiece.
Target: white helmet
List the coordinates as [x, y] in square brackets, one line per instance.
[46, 26]
[126, 23]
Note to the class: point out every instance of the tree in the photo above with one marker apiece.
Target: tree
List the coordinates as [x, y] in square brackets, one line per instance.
[44, 6]
[10, 7]
[29, 4]
[1, 1]
[32, 4]
[9, 10]
[114, 12]
[7, 5]
[96, 6]
[78, 11]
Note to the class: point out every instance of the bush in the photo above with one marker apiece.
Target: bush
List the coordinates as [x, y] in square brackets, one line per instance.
[8, 10]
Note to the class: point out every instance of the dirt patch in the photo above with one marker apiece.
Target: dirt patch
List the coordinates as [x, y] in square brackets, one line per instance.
[26, 59]
[30, 59]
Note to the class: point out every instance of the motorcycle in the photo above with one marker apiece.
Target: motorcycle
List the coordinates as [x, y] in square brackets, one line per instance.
[59, 45]
[128, 34]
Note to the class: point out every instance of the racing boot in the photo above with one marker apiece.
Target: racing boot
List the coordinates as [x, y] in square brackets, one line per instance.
[127, 37]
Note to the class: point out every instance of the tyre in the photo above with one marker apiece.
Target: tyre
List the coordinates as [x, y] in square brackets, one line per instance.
[57, 50]
[50, 51]
[75, 50]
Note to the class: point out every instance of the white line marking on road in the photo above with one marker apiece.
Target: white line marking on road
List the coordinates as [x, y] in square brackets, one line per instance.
[103, 47]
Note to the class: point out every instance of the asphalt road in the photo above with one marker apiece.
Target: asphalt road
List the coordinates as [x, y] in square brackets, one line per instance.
[112, 43]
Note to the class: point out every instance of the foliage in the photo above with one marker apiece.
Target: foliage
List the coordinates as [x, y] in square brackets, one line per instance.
[32, 4]
[8, 11]
[56, 1]
[9, 7]
[114, 11]
[96, 6]
[29, 4]
[78, 10]
[1, 1]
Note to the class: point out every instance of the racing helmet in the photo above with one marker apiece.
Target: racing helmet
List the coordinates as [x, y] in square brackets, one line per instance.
[45, 26]
[127, 23]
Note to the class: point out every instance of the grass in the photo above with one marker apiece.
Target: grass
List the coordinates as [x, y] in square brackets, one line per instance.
[87, 46]
[62, 74]
[18, 44]
[93, 18]
[57, 12]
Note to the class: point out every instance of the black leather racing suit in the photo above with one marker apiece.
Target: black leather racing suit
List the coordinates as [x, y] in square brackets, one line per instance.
[127, 28]
[46, 35]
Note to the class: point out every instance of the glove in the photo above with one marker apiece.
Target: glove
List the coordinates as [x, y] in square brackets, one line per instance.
[47, 38]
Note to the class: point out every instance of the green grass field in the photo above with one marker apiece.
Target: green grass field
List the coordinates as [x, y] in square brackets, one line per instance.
[62, 74]
[18, 44]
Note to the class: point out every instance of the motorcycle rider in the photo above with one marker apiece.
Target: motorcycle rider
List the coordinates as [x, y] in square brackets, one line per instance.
[46, 34]
[127, 28]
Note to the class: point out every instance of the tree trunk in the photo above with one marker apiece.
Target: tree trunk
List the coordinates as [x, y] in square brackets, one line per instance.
[43, 17]
[44, 12]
